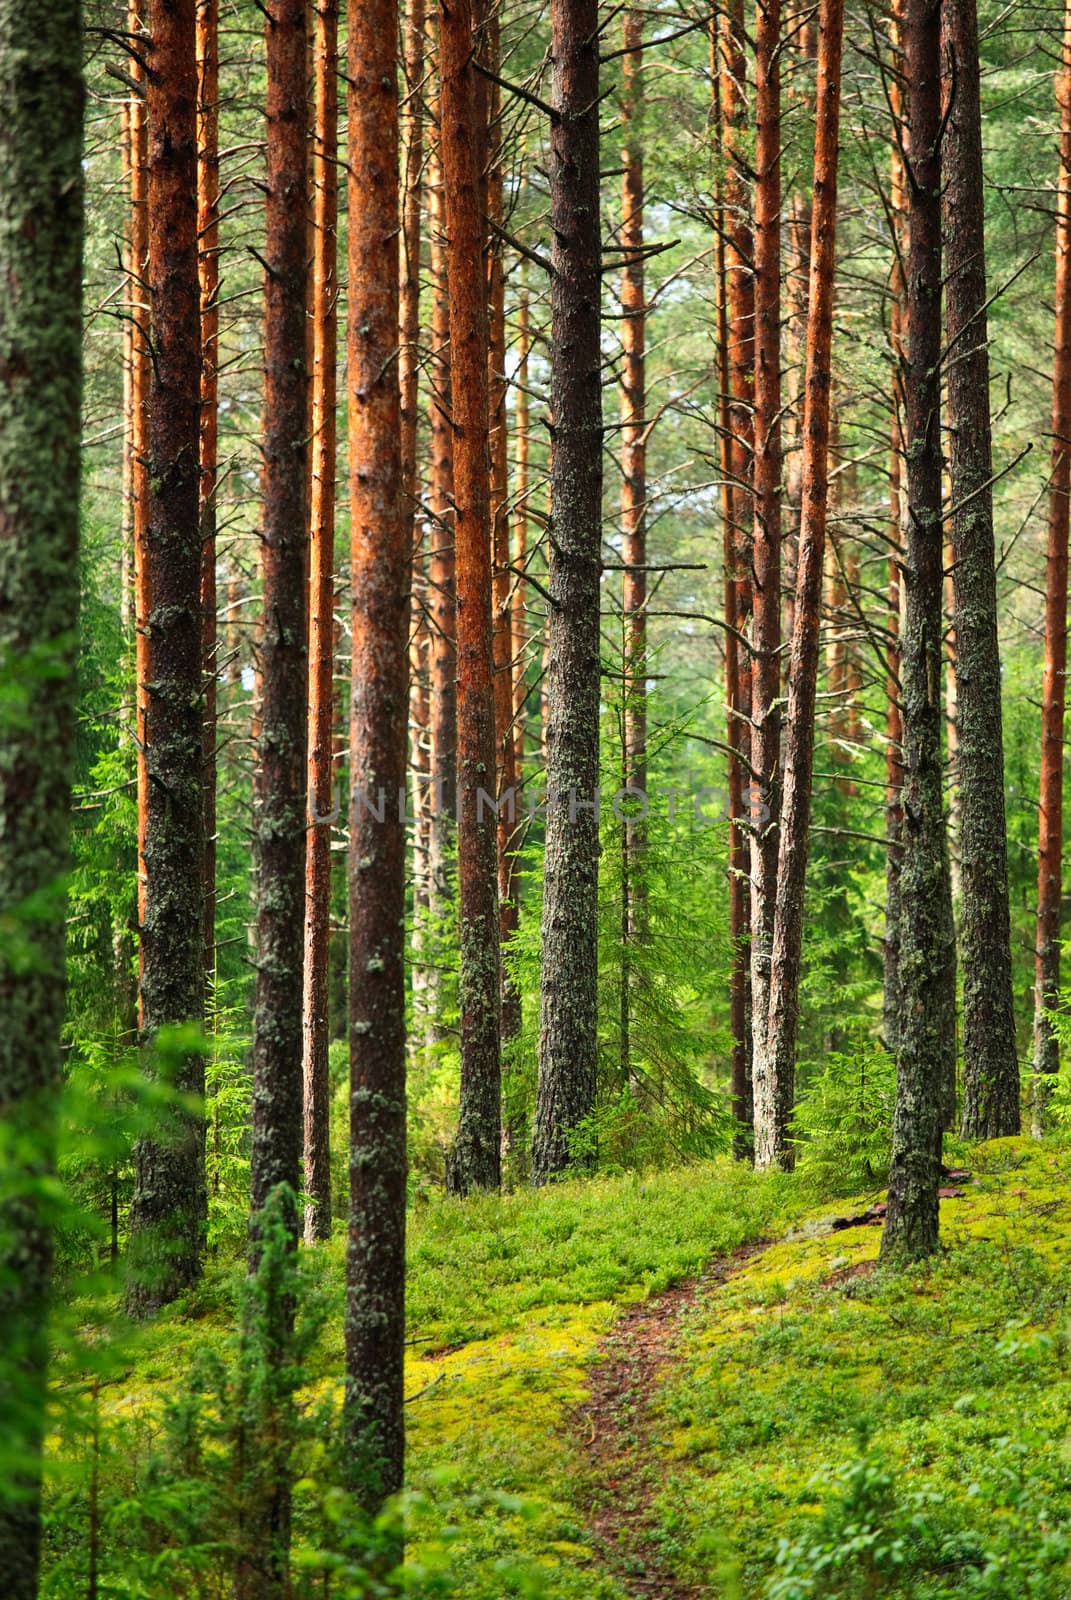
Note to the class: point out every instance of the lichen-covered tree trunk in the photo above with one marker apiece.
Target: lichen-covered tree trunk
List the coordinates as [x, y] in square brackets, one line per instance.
[321, 773]
[208, 278]
[41, 227]
[380, 561]
[568, 1014]
[140, 377]
[740, 350]
[476, 1158]
[772, 1095]
[442, 603]
[169, 1206]
[990, 1064]
[926, 1054]
[1053, 684]
[797, 275]
[634, 911]
[803, 664]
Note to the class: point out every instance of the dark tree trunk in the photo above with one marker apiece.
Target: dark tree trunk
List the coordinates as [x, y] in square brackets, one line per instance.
[380, 560]
[1054, 687]
[520, 544]
[568, 1019]
[926, 1056]
[803, 665]
[167, 1216]
[41, 229]
[476, 1159]
[738, 433]
[321, 774]
[281, 751]
[990, 1064]
[140, 379]
[442, 601]
[634, 914]
[772, 1095]
[208, 278]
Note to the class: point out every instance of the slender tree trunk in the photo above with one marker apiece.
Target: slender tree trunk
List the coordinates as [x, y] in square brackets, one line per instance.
[926, 1057]
[442, 600]
[262, 1570]
[380, 560]
[476, 1160]
[168, 1212]
[321, 733]
[409, 357]
[281, 752]
[990, 1064]
[803, 666]
[797, 275]
[772, 1095]
[519, 620]
[634, 911]
[740, 290]
[41, 231]
[894, 771]
[1053, 686]
[208, 279]
[568, 1018]
[502, 637]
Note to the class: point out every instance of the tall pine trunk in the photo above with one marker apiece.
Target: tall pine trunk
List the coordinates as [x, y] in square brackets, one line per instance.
[519, 620]
[167, 1215]
[140, 378]
[568, 1014]
[380, 562]
[990, 1064]
[41, 229]
[208, 278]
[772, 1094]
[634, 915]
[476, 1159]
[803, 664]
[926, 1055]
[321, 767]
[1053, 686]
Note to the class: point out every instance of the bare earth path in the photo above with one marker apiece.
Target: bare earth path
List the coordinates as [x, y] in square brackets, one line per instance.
[616, 1424]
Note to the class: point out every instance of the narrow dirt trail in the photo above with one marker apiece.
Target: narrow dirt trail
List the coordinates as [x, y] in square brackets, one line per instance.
[617, 1427]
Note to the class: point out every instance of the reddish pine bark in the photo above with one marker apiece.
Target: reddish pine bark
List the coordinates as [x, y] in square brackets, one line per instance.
[568, 1017]
[803, 665]
[990, 1063]
[476, 1160]
[169, 1205]
[634, 917]
[926, 1054]
[208, 280]
[321, 770]
[1053, 685]
[740, 291]
[380, 561]
[772, 1094]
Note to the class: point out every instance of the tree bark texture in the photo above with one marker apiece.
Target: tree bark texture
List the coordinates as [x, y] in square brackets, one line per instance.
[41, 230]
[568, 1016]
[169, 1206]
[208, 279]
[990, 1063]
[926, 1056]
[476, 1158]
[380, 559]
[519, 619]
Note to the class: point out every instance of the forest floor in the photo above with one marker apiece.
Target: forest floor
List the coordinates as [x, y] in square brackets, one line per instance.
[692, 1384]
